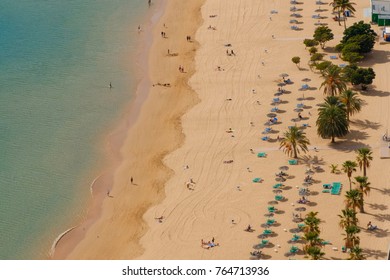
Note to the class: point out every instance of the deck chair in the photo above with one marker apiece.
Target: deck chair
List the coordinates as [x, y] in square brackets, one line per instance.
[257, 180]
[292, 161]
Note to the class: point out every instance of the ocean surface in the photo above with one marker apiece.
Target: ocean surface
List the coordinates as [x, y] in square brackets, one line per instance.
[57, 59]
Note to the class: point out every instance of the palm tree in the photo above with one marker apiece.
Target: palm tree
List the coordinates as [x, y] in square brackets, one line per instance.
[341, 6]
[364, 189]
[313, 238]
[349, 167]
[314, 252]
[364, 156]
[348, 218]
[353, 199]
[334, 80]
[336, 9]
[312, 222]
[356, 254]
[294, 140]
[351, 238]
[351, 101]
[332, 120]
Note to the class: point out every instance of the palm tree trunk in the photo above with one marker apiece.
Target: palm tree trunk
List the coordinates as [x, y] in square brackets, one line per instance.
[345, 19]
[364, 169]
[333, 139]
[295, 152]
[339, 18]
[350, 183]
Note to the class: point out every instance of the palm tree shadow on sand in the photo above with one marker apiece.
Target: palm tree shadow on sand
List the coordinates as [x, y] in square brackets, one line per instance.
[347, 145]
[365, 124]
[376, 254]
[309, 159]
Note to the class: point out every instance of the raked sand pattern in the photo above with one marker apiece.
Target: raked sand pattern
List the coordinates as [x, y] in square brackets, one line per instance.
[238, 96]
[209, 193]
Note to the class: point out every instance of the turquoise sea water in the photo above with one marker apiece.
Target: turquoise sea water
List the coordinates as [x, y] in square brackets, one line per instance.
[57, 59]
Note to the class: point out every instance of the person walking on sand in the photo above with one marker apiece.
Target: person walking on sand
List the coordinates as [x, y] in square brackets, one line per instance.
[131, 180]
[110, 85]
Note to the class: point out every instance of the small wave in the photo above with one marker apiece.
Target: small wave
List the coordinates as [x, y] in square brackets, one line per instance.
[53, 247]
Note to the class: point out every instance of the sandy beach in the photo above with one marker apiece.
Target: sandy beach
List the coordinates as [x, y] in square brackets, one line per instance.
[189, 152]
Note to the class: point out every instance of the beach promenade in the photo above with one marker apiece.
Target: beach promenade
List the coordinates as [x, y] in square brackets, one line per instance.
[194, 152]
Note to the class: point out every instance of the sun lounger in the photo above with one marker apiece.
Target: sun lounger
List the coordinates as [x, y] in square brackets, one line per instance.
[327, 186]
[305, 86]
[265, 138]
[277, 186]
[274, 109]
[271, 209]
[262, 154]
[305, 125]
[279, 197]
[295, 238]
[292, 162]
[326, 191]
[325, 242]
[294, 249]
[270, 222]
[257, 180]
[267, 232]
[301, 226]
[333, 57]
[336, 188]
[342, 65]
[264, 242]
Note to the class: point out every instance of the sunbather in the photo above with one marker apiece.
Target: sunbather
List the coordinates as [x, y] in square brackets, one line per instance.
[370, 226]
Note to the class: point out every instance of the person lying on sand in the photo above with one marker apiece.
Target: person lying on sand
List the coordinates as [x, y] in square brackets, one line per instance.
[211, 244]
[370, 226]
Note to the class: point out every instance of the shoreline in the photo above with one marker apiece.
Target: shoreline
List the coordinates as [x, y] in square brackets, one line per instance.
[113, 141]
[173, 139]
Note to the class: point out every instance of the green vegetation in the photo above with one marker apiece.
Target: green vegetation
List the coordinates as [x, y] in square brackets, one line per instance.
[349, 167]
[359, 76]
[313, 50]
[334, 80]
[296, 60]
[316, 57]
[332, 119]
[364, 189]
[293, 141]
[351, 101]
[323, 34]
[340, 6]
[312, 236]
[363, 158]
[323, 65]
[310, 43]
[334, 168]
[358, 40]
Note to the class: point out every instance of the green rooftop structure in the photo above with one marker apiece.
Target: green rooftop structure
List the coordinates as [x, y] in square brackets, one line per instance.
[380, 12]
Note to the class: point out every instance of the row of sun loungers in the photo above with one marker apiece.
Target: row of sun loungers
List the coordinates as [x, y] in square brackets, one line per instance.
[334, 189]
